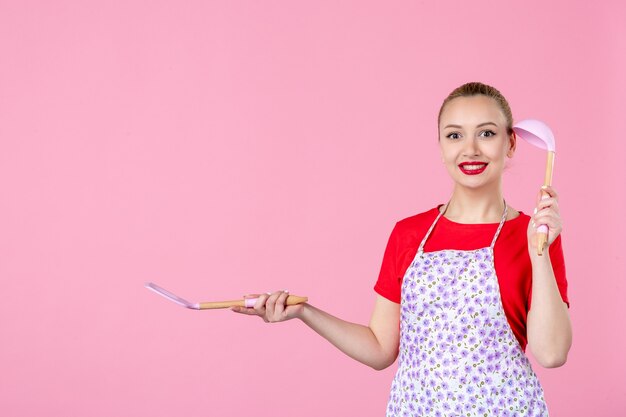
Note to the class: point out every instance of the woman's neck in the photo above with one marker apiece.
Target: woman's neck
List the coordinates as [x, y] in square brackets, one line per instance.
[475, 206]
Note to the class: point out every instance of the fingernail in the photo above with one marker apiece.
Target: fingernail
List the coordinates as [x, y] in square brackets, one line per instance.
[535, 211]
[268, 293]
[544, 187]
[287, 291]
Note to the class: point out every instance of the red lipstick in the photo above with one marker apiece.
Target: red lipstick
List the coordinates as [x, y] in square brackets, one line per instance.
[472, 168]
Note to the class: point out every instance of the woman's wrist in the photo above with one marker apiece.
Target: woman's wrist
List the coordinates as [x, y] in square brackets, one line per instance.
[543, 259]
[304, 313]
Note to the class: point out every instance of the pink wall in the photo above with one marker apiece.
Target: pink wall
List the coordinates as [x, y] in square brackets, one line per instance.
[225, 147]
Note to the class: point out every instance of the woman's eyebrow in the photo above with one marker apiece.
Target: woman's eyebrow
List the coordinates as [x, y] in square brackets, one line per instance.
[487, 123]
[480, 125]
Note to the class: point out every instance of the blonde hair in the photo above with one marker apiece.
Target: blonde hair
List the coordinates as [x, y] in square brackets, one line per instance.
[475, 89]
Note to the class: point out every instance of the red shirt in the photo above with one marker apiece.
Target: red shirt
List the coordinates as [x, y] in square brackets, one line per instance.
[511, 259]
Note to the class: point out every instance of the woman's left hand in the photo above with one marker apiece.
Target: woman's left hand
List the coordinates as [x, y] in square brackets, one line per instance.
[546, 212]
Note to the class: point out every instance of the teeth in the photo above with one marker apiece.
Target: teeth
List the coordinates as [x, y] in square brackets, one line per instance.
[473, 167]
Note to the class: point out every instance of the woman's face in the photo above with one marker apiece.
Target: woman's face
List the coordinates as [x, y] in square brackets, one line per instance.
[474, 142]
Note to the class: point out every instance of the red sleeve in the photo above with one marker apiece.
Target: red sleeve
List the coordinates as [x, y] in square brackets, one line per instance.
[389, 283]
[558, 266]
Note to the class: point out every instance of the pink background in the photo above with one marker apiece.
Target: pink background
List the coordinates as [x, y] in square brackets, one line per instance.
[225, 147]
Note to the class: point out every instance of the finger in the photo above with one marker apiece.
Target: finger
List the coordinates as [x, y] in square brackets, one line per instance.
[545, 212]
[551, 222]
[554, 229]
[548, 212]
[280, 304]
[270, 305]
[540, 195]
[548, 202]
[244, 310]
[259, 306]
[550, 191]
[546, 197]
[252, 296]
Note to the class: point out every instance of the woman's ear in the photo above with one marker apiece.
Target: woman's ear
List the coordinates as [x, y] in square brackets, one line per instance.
[512, 145]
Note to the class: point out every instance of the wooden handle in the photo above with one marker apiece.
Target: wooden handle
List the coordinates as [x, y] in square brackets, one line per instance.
[292, 300]
[542, 238]
[209, 305]
[549, 168]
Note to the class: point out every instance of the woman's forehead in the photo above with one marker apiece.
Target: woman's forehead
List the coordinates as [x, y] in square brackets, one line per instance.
[472, 111]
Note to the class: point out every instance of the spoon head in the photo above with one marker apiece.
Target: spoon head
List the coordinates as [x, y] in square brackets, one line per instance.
[171, 296]
[536, 133]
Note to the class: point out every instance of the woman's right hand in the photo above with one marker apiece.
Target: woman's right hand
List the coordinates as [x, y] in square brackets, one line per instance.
[271, 307]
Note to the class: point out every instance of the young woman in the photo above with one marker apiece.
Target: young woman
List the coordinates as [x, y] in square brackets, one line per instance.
[456, 284]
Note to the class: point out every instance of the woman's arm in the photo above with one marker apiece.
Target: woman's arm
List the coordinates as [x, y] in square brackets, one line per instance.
[375, 345]
[548, 325]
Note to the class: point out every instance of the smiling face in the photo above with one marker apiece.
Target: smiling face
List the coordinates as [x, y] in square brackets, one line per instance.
[474, 141]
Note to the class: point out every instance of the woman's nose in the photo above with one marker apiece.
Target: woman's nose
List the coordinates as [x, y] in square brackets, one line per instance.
[471, 147]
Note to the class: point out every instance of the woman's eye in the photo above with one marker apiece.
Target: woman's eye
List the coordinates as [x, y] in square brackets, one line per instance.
[453, 135]
[488, 133]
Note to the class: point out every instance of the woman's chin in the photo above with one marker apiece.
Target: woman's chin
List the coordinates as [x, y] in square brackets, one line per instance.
[476, 183]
